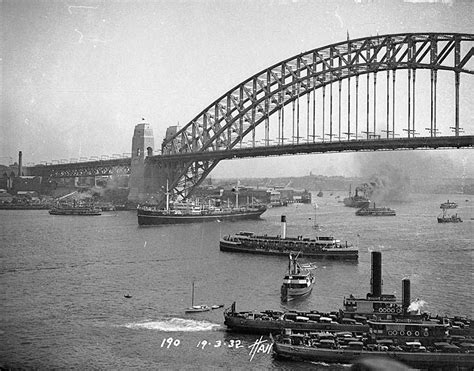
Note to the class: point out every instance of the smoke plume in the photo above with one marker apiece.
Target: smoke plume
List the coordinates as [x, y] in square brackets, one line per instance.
[416, 306]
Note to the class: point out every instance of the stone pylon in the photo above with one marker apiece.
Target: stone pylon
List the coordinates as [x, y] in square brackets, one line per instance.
[143, 144]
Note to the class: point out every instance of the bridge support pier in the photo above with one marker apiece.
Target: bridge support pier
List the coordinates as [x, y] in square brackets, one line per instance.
[142, 146]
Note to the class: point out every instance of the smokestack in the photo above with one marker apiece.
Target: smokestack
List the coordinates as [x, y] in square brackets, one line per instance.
[20, 155]
[376, 279]
[283, 226]
[405, 295]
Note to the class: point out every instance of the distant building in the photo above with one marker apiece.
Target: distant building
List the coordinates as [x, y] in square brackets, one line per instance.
[5, 197]
[26, 183]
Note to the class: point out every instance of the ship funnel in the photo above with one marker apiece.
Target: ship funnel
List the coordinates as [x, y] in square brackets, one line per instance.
[283, 226]
[376, 279]
[405, 295]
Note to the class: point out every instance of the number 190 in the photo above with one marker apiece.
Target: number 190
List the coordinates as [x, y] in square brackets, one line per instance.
[170, 341]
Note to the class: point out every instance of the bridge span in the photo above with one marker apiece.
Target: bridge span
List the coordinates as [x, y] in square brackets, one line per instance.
[367, 94]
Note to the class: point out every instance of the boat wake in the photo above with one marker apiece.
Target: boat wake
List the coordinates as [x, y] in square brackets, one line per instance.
[175, 325]
[329, 365]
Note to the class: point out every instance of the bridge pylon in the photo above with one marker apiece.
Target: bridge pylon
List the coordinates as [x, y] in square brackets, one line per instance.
[143, 143]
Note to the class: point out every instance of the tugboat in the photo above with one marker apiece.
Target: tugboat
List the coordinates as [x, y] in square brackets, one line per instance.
[353, 317]
[445, 218]
[416, 344]
[375, 211]
[316, 247]
[298, 282]
[356, 200]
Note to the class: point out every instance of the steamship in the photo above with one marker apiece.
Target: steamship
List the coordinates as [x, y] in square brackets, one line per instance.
[356, 200]
[188, 213]
[192, 212]
[353, 318]
[314, 247]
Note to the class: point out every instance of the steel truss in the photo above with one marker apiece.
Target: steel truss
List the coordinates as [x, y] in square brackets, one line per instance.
[235, 115]
[83, 169]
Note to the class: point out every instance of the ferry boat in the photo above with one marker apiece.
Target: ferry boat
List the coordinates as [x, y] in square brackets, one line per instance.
[353, 317]
[299, 280]
[356, 200]
[190, 213]
[375, 211]
[315, 247]
[448, 205]
[420, 345]
[75, 209]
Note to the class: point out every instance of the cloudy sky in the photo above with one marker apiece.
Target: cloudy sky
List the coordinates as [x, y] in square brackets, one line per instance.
[78, 75]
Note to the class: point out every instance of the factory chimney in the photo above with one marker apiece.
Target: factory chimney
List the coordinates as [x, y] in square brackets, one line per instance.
[20, 158]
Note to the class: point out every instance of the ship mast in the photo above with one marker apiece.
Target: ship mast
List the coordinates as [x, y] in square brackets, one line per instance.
[237, 195]
[168, 198]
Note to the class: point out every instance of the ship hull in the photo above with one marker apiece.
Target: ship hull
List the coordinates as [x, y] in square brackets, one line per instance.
[345, 356]
[332, 253]
[156, 218]
[75, 212]
[449, 220]
[252, 326]
[240, 324]
[351, 202]
[293, 294]
[372, 212]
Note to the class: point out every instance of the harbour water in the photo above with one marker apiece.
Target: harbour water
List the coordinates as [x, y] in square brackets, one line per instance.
[64, 278]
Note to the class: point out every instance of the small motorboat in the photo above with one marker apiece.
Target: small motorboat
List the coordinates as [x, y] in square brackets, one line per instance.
[217, 306]
[128, 296]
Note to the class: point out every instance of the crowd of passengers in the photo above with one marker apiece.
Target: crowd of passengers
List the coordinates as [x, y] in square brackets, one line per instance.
[276, 244]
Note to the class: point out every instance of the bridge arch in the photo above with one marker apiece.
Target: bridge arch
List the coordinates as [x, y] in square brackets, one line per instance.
[224, 123]
[233, 116]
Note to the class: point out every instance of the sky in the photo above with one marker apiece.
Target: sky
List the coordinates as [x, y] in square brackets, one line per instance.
[77, 76]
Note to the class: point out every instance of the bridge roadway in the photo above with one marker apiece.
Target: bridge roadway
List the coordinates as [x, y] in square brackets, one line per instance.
[465, 141]
[122, 166]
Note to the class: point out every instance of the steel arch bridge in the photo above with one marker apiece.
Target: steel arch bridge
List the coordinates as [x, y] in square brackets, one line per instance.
[277, 93]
